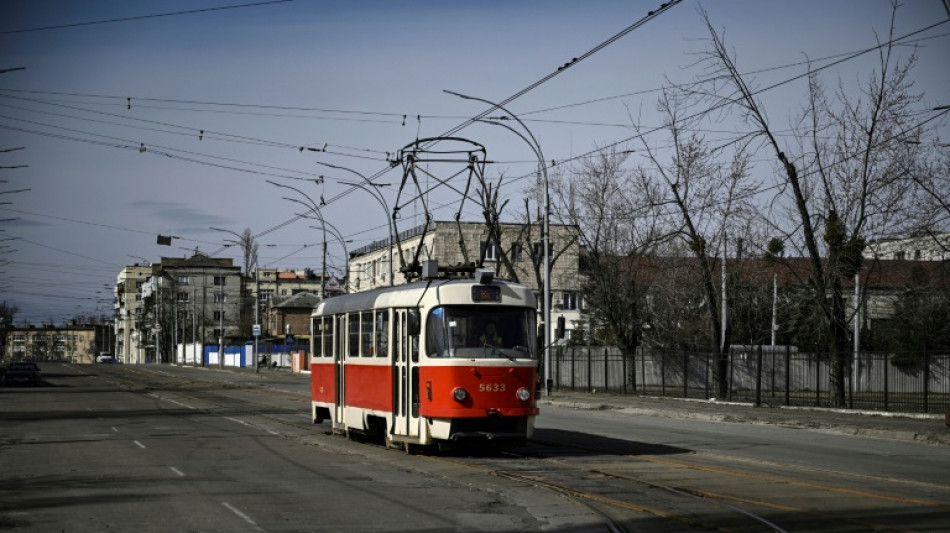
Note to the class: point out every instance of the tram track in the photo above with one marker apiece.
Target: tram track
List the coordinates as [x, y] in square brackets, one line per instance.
[688, 491]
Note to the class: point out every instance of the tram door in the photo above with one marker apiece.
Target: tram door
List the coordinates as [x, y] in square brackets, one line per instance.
[339, 349]
[405, 377]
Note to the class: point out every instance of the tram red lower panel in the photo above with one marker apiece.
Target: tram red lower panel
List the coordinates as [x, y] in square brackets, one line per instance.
[369, 387]
[491, 391]
[322, 382]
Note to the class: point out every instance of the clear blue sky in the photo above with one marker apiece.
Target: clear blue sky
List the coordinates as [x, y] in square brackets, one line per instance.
[263, 80]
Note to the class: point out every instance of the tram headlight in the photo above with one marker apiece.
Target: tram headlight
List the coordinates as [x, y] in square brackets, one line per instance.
[459, 394]
[523, 394]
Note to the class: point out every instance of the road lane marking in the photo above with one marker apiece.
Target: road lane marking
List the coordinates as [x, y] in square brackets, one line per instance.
[250, 425]
[139, 444]
[177, 471]
[176, 402]
[114, 429]
[242, 515]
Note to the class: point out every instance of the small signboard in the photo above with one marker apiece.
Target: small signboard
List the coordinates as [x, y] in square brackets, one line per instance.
[257, 330]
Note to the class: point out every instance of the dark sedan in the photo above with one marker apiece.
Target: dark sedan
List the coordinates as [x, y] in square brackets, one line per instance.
[22, 373]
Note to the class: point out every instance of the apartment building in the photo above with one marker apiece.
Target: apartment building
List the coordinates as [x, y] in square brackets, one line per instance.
[922, 247]
[73, 343]
[128, 312]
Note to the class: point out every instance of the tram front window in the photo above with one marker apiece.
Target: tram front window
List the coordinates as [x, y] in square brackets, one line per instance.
[481, 332]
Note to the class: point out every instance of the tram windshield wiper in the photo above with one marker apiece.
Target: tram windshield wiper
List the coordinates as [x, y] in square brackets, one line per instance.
[495, 350]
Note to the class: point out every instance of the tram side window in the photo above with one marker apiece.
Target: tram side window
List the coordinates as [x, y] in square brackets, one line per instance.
[316, 326]
[366, 333]
[326, 337]
[382, 333]
[354, 334]
[339, 336]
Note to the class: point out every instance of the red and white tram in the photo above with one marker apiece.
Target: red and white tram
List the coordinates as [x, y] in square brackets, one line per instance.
[438, 361]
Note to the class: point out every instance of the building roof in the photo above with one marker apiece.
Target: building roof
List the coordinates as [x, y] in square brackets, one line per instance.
[197, 260]
[300, 300]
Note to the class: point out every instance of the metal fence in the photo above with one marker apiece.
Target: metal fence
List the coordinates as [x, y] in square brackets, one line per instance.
[900, 382]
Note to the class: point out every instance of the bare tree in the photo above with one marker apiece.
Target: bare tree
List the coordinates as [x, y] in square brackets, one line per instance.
[7, 313]
[617, 230]
[249, 248]
[491, 211]
[703, 196]
[843, 185]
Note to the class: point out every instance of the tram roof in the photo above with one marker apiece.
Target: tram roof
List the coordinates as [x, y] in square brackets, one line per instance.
[408, 294]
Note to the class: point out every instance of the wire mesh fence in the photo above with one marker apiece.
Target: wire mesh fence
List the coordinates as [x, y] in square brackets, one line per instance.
[764, 375]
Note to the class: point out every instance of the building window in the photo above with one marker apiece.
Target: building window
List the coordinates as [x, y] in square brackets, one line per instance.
[538, 252]
[219, 281]
[517, 251]
[220, 298]
[184, 280]
[182, 296]
[489, 251]
[899, 255]
[570, 301]
[219, 315]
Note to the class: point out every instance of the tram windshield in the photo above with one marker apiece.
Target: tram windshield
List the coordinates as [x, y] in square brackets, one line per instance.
[471, 331]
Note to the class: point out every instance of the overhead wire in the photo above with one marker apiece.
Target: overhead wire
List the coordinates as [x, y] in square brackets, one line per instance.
[141, 17]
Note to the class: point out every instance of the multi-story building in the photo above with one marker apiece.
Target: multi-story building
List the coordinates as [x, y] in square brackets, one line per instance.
[272, 287]
[128, 313]
[935, 247]
[201, 300]
[517, 256]
[73, 343]
[289, 318]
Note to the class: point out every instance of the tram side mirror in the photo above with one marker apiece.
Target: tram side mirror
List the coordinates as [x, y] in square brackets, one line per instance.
[413, 322]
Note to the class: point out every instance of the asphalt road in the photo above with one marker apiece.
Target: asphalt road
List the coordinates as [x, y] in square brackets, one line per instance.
[164, 448]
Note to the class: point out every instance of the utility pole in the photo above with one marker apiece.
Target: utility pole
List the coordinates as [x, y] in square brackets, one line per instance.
[221, 323]
[257, 317]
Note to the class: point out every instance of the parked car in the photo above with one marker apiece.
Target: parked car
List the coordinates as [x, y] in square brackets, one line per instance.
[22, 373]
[105, 358]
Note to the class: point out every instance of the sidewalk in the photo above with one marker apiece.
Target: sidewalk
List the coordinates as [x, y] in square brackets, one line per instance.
[930, 429]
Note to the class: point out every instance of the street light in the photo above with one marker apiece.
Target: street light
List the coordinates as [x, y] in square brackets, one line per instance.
[315, 209]
[392, 232]
[545, 239]
[346, 254]
[375, 193]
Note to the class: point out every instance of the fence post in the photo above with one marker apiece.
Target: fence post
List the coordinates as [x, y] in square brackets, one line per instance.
[926, 380]
[788, 375]
[887, 371]
[817, 381]
[573, 368]
[685, 375]
[758, 376]
[663, 375]
[590, 368]
[633, 364]
[623, 370]
[606, 372]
